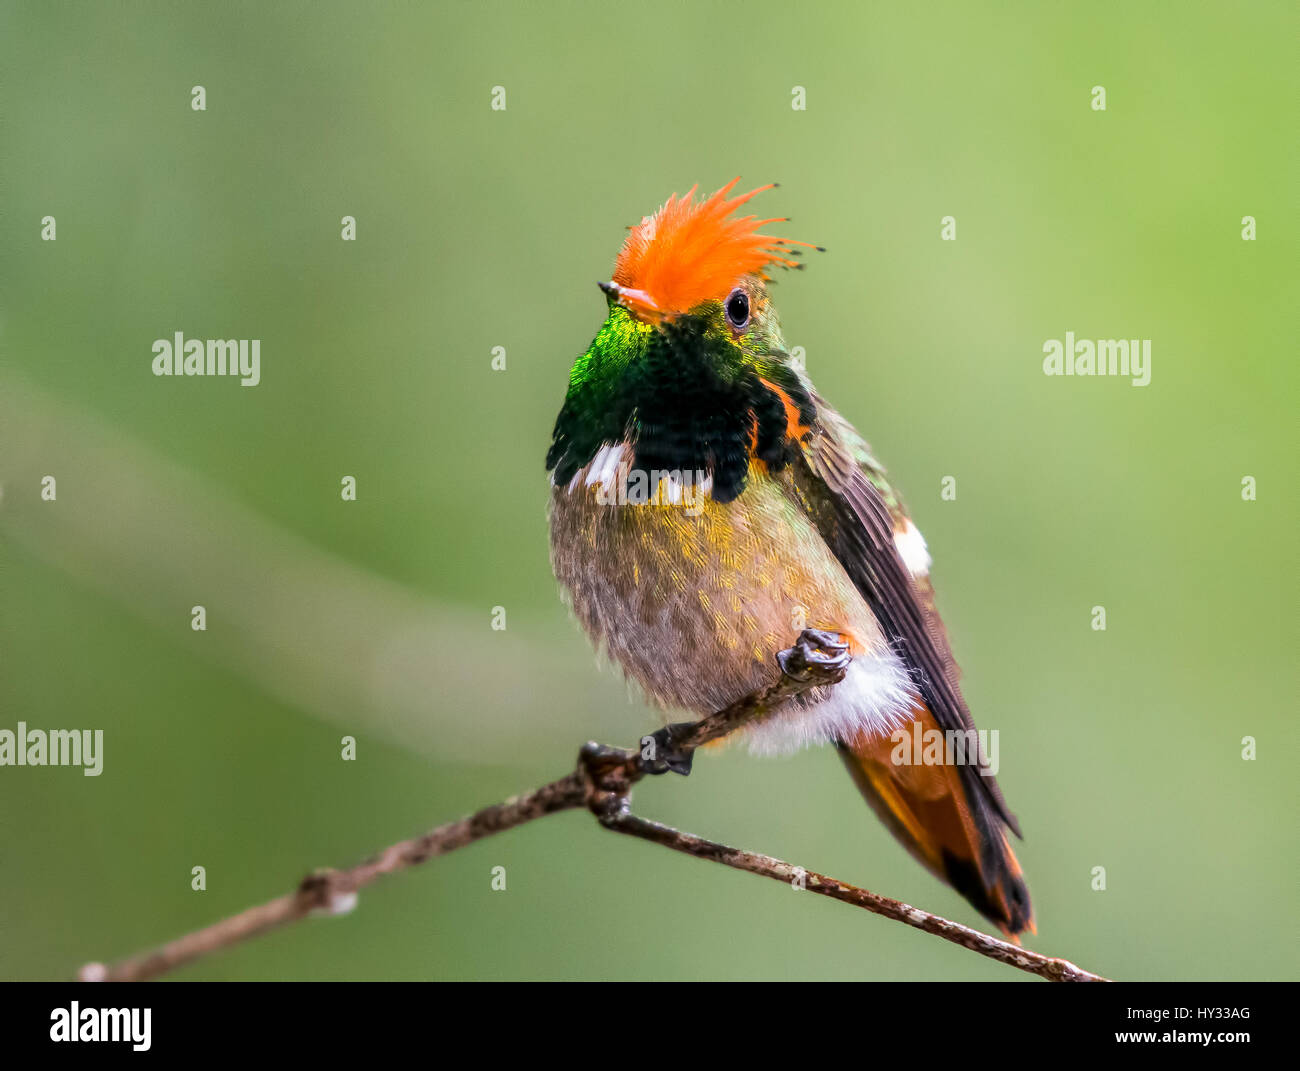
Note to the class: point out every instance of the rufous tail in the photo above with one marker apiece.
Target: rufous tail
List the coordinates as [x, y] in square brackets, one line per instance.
[942, 817]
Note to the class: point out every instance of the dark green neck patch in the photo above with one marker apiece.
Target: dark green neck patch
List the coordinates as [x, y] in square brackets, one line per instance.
[684, 395]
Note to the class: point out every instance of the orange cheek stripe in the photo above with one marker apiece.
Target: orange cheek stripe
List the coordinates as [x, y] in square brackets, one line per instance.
[795, 428]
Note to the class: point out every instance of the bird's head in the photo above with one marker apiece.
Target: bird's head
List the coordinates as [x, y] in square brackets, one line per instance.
[703, 269]
[690, 367]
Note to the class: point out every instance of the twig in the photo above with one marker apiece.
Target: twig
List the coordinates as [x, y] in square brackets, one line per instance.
[602, 783]
[334, 892]
[1054, 970]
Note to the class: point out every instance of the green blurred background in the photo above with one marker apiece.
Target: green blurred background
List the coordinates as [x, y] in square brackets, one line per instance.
[478, 228]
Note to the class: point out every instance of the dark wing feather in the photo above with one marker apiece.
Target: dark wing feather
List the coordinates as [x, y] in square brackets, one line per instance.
[853, 506]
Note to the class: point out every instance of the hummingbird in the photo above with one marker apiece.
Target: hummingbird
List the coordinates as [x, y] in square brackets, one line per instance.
[707, 505]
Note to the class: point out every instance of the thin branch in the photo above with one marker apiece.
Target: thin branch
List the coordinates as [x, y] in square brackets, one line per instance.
[1054, 970]
[601, 783]
[334, 892]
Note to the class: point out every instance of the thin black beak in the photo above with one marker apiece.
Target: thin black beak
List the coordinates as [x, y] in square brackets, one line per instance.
[637, 302]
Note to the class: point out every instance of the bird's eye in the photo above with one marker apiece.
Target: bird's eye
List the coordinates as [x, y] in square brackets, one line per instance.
[738, 308]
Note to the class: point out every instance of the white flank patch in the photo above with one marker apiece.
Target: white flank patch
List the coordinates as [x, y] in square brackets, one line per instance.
[670, 490]
[874, 697]
[912, 549]
[604, 466]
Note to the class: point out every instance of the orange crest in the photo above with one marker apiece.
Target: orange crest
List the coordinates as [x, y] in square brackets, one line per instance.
[687, 253]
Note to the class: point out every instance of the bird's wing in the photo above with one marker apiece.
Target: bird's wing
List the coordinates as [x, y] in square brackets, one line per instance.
[951, 818]
[845, 491]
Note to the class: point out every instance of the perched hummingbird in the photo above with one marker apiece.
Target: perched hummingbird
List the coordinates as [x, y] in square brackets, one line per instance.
[707, 504]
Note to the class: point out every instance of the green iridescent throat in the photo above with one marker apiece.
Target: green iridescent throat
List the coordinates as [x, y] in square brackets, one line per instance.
[687, 392]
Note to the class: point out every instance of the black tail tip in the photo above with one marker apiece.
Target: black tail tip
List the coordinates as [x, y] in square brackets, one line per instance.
[1005, 902]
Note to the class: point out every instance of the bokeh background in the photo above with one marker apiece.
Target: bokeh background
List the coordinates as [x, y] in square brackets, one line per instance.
[478, 228]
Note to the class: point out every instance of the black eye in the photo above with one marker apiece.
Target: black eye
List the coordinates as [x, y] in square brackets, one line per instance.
[738, 308]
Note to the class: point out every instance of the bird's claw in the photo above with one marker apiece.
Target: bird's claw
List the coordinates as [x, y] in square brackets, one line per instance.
[816, 656]
[661, 754]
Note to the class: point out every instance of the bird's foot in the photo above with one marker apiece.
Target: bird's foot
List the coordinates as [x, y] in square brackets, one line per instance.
[816, 656]
[660, 752]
